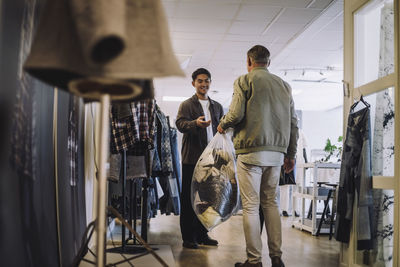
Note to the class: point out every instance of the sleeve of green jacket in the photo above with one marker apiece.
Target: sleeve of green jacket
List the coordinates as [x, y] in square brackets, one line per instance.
[184, 122]
[294, 130]
[237, 107]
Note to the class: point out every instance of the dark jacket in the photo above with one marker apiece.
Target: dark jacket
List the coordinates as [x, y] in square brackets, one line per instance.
[194, 139]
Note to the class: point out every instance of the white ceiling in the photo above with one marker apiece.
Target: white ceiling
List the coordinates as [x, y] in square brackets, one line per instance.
[305, 38]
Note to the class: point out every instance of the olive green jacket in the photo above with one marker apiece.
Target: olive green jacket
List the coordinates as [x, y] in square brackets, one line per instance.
[262, 114]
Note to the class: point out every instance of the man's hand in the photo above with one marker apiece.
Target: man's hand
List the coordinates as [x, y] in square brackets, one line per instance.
[288, 165]
[200, 122]
[220, 130]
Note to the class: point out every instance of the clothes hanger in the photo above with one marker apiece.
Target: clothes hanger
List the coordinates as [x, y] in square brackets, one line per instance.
[169, 124]
[360, 101]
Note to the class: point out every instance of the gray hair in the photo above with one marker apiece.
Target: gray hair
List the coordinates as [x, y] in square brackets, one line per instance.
[259, 54]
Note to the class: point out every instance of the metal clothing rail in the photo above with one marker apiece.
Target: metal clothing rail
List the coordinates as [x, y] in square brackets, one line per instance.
[132, 209]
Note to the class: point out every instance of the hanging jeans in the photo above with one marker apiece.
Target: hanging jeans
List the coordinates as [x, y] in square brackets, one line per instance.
[356, 180]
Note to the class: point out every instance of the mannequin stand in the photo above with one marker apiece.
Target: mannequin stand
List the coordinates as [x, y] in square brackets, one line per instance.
[102, 181]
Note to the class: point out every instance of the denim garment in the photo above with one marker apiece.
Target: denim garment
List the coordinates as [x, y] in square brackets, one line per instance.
[73, 132]
[170, 201]
[163, 143]
[163, 166]
[155, 158]
[356, 177]
[175, 157]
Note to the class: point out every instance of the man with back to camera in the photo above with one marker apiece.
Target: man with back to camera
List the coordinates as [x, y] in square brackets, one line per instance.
[197, 119]
[265, 137]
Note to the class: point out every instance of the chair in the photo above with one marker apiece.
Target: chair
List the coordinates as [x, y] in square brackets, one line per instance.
[331, 194]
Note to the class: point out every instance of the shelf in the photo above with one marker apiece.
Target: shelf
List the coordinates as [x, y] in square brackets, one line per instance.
[313, 193]
[320, 165]
[309, 196]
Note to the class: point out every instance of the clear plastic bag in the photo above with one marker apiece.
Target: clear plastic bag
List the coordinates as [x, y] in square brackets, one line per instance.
[215, 188]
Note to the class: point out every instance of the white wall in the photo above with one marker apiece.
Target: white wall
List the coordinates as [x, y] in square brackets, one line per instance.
[317, 125]
[321, 125]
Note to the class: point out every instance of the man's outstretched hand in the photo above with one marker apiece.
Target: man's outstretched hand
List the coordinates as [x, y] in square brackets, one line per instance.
[200, 122]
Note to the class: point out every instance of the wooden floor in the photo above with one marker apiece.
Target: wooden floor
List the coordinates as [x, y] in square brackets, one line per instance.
[300, 249]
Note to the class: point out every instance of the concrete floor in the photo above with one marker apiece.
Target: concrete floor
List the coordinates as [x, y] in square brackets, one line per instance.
[300, 249]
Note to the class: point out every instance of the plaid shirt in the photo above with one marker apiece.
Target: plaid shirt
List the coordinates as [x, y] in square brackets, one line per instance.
[132, 126]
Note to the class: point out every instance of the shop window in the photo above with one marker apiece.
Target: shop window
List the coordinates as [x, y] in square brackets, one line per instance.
[373, 41]
[382, 132]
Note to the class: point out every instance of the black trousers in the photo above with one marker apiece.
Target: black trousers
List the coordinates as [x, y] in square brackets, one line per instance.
[191, 228]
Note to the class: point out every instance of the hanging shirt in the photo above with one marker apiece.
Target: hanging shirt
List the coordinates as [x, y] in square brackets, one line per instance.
[205, 104]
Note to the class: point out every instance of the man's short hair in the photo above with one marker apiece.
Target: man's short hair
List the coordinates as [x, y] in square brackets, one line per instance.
[200, 71]
[259, 54]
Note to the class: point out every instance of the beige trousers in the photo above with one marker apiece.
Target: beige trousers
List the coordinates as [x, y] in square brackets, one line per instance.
[258, 185]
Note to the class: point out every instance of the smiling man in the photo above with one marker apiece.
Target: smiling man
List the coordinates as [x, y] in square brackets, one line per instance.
[197, 119]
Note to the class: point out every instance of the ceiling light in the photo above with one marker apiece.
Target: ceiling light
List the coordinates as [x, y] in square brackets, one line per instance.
[174, 98]
[296, 91]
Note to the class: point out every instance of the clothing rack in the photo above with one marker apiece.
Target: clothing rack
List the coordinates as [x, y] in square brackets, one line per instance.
[132, 211]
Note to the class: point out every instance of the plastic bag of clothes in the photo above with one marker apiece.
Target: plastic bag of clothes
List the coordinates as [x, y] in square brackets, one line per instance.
[215, 188]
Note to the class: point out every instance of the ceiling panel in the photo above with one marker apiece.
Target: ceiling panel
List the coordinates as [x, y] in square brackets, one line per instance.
[333, 38]
[237, 46]
[320, 4]
[216, 34]
[191, 46]
[201, 10]
[240, 37]
[282, 32]
[197, 36]
[335, 9]
[248, 27]
[199, 25]
[335, 24]
[230, 56]
[211, 2]
[280, 3]
[257, 12]
[169, 8]
[298, 15]
[202, 56]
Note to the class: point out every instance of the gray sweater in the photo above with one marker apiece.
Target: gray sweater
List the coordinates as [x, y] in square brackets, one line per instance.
[262, 114]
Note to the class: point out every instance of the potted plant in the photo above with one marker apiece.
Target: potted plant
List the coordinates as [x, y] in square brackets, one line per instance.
[334, 151]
